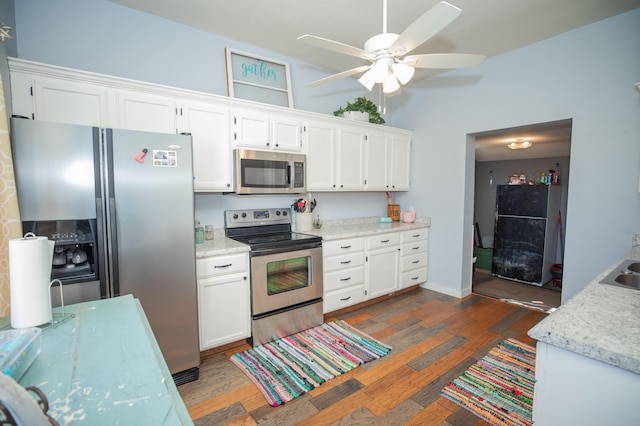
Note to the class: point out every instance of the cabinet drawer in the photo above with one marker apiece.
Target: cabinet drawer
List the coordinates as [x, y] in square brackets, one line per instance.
[220, 265]
[342, 298]
[343, 278]
[338, 247]
[383, 240]
[417, 276]
[414, 261]
[335, 263]
[415, 235]
[414, 247]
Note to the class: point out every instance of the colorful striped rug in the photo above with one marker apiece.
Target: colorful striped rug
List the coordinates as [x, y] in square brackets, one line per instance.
[291, 366]
[499, 387]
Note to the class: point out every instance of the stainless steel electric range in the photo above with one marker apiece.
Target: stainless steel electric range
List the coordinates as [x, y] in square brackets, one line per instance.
[286, 272]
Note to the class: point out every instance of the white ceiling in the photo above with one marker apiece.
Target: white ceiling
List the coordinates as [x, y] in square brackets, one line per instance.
[489, 27]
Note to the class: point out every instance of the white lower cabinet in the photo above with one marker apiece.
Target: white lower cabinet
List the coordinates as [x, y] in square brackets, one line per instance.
[363, 268]
[383, 253]
[224, 310]
[343, 266]
[413, 257]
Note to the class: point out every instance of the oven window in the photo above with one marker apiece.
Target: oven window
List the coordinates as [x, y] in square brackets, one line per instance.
[289, 274]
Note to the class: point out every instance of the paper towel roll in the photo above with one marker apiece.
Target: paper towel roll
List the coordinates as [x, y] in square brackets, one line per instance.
[30, 273]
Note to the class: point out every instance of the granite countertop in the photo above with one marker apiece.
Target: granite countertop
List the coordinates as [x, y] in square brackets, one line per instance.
[220, 245]
[331, 230]
[362, 227]
[601, 322]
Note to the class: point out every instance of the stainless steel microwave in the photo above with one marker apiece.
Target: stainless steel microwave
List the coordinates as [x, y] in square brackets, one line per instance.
[265, 172]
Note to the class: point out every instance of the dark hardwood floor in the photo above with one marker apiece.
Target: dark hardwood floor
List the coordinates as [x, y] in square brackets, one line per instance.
[435, 338]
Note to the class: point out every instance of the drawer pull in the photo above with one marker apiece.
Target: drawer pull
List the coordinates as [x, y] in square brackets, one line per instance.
[345, 262]
[345, 247]
[223, 266]
[415, 248]
[415, 261]
[416, 235]
[345, 299]
[414, 278]
[384, 241]
[345, 279]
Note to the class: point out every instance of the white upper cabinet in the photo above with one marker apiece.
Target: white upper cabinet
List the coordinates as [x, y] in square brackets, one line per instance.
[146, 112]
[400, 170]
[286, 133]
[250, 129]
[342, 155]
[320, 140]
[377, 161]
[60, 101]
[350, 158]
[208, 125]
[257, 129]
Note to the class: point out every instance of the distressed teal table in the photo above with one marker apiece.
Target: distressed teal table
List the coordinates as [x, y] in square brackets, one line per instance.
[102, 366]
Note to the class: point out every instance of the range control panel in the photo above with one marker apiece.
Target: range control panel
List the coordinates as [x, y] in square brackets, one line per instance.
[256, 217]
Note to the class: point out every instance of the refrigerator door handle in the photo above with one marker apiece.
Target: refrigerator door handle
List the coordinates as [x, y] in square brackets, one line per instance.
[113, 249]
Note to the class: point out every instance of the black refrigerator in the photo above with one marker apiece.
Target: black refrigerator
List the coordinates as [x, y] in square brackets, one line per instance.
[526, 232]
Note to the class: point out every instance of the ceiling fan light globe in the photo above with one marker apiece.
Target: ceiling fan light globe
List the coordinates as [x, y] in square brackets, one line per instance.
[367, 80]
[380, 71]
[403, 72]
[390, 85]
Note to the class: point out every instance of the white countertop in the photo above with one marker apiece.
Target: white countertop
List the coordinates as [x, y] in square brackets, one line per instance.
[362, 227]
[601, 322]
[331, 230]
[220, 245]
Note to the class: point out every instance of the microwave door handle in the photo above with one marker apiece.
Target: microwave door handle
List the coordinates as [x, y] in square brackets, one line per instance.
[290, 169]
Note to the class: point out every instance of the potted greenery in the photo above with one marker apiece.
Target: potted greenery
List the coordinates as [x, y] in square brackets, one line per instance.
[363, 105]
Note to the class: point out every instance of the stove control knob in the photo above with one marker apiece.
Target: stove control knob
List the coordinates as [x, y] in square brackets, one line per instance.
[284, 212]
[244, 214]
[235, 215]
[277, 212]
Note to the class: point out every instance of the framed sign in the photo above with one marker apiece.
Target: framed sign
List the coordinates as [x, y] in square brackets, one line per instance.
[258, 79]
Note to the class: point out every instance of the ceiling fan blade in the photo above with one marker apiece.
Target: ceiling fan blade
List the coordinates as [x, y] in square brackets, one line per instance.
[426, 26]
[340, 75]
[444, 60]
[335, 46]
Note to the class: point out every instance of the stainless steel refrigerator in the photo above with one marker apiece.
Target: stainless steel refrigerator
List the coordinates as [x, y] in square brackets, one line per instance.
[120, 206]
[526, 232]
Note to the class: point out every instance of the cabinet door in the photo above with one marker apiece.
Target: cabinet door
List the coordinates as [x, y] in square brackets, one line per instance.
[400, 170]
[72, 103]
[250, 129]
[382, 271]
[286, 134]
[223, 310]
[350, 158]
[212, 158]
[376, 161]
[320, 141]
[146, 112]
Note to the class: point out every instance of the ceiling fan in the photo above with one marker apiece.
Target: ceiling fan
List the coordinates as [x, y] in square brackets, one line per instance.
[389, 65]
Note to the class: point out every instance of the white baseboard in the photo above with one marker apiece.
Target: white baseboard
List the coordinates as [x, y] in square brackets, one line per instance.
[446, 290]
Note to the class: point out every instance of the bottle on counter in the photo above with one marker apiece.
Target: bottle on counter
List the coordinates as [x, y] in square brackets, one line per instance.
[199, 233]
[208, 232]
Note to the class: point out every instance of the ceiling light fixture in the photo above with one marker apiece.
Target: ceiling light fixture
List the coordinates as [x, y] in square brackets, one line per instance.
[519, 144]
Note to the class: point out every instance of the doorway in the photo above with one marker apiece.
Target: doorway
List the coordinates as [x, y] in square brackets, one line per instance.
[496, 164]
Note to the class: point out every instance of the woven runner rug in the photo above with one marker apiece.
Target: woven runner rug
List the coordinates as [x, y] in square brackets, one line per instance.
[499, 387]
[288, 367]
